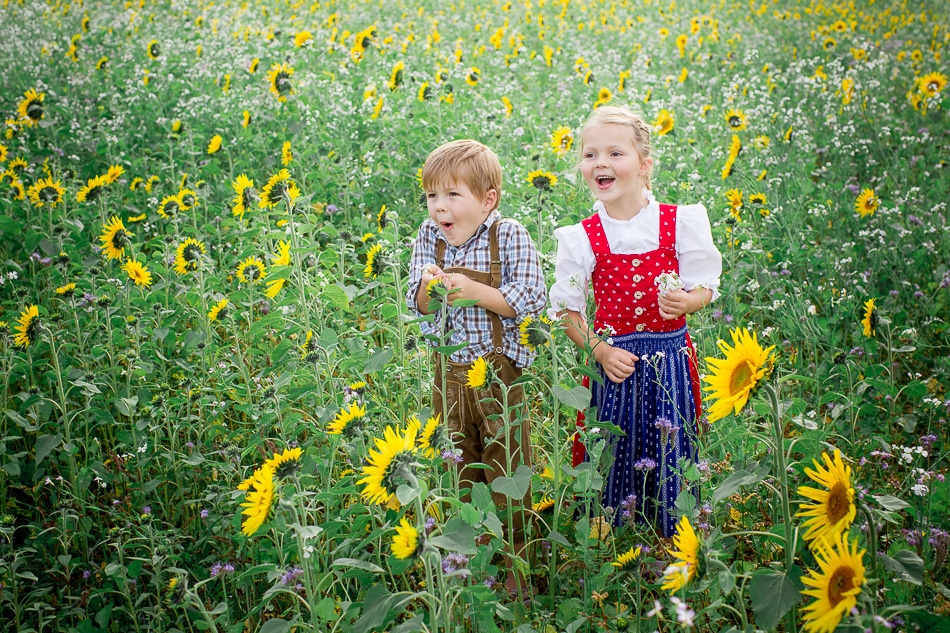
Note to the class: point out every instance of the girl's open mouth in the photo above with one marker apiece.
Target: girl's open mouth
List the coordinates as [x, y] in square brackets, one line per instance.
[604, 181]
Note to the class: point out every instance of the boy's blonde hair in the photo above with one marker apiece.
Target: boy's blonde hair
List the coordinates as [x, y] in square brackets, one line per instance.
[464, 161]
[631, 121]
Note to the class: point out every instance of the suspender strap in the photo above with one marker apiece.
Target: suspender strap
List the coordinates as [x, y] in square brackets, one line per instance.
[491, 278]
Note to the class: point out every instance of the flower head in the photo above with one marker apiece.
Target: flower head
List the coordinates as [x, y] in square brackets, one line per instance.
[535, 332]
[833, 509]
[214, 144]
[278, 79]
[664, 123]
[407, 542]
[219, 310]
[542, 180]
[286, 463]
[480, 374]
[736, 119]
[46, 191]
[687, 546]
[374, 262]
[251, 270]
[734, 377]
[835, 587]
[871, 318]
[561, 140]
[188, 256]
[347, 420]
[244, 195]
[259, 499]
[138, 273]
[389, 465]
[27, 327]
[867, 203]
[627, 558]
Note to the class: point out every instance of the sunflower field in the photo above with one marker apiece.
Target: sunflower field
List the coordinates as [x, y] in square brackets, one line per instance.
[216, 405]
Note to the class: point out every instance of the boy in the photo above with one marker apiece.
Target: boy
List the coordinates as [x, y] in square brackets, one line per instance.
[466, 246]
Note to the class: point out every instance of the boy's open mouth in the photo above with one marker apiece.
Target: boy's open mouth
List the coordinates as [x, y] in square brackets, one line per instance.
[447, 225]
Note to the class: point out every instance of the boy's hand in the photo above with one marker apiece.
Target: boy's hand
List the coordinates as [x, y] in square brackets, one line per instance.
[461, 287]
[674, 304]
[618, 363]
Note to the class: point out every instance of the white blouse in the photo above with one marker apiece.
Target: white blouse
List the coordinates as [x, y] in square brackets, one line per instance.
[699, 259]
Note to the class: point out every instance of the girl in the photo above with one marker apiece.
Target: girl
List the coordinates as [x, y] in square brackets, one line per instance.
[650, 265]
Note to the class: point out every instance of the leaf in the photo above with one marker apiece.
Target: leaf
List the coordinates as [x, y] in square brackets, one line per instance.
[356, 563]
[891, 503]
[45, 444]
[335, 295]
[275, 625]
[377, 361]
[906, 564]
[736, 480]
[377, 605]
[560, 539]
[514, 487]
[576, 397]
[457, 536]
[773, 593]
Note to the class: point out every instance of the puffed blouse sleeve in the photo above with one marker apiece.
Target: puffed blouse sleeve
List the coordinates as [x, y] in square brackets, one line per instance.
[572, 269]
[699, 259]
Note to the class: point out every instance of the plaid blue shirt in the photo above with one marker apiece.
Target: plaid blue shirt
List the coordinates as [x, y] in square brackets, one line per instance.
[522, 286]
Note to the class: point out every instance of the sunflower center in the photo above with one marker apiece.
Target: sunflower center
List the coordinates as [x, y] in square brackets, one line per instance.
[35, 110]
[48, 194]
[191, 253]
[277, 192]
[93, 192]
[120, 239]
[841, 581]
[838, 504]
[735, 121]
[282, 82]
[248, 196]
[253, 273]
[741, 378]
[153, 50]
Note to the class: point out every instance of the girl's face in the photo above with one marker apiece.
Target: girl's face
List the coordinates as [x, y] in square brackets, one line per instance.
[613, 169]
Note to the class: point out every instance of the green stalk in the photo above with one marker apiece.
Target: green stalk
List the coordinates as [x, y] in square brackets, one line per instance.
[782, 473]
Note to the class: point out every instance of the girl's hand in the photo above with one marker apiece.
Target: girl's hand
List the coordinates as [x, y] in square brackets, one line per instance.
[618, 363]
[675, 304]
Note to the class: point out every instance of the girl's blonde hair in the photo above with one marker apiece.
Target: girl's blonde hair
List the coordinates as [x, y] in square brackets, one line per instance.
[638, 128]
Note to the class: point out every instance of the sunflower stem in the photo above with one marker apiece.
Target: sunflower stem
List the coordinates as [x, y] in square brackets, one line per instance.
[872, 534]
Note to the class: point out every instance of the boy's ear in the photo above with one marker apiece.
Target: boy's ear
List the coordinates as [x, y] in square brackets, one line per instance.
[491, 199]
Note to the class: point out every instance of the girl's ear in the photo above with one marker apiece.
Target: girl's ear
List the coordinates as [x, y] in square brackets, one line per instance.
[646, 164]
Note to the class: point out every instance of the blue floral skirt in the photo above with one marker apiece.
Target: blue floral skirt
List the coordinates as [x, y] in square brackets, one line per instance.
[656, 407]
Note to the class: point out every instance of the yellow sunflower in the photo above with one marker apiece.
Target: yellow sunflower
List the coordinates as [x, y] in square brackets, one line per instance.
[664, 122]
[395, 76]
[67, 290]
[258, 500]
[932, 83]
[687, 546]
[834, 508]
[374, 262]
[835, 587]
[188, 256]
[432, 435]
[562, 140]
[389, 465]
[138, 273]
[187, 198]
[252, 67]
[734, 377]
[343, 423]
[603, 97]
[19, 193]
[115, 172]
[472, 76]
[92, 189]
[277, 186]
[114, 238]
[303, 38]
[734, 196]
[169, 207]
[542, 180]
[251, 270]
[544, 503]
[280, 258]
[31, 108]
[26, 331]
[286, 154]
[245, 118]
[870, 319]
[285, 464]
[153, 50]
[867, 203]
[46, 191]
[278, 78]
[214, 144]
[627, 557]
[478, 374]
[244, 195]
[535, 333]
[219, 310]
[736, 119]
[407, 541]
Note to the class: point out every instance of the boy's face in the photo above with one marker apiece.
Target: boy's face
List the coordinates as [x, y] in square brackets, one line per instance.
[458, 211]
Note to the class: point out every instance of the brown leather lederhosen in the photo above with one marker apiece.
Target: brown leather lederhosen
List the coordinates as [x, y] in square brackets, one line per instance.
[475, 416]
